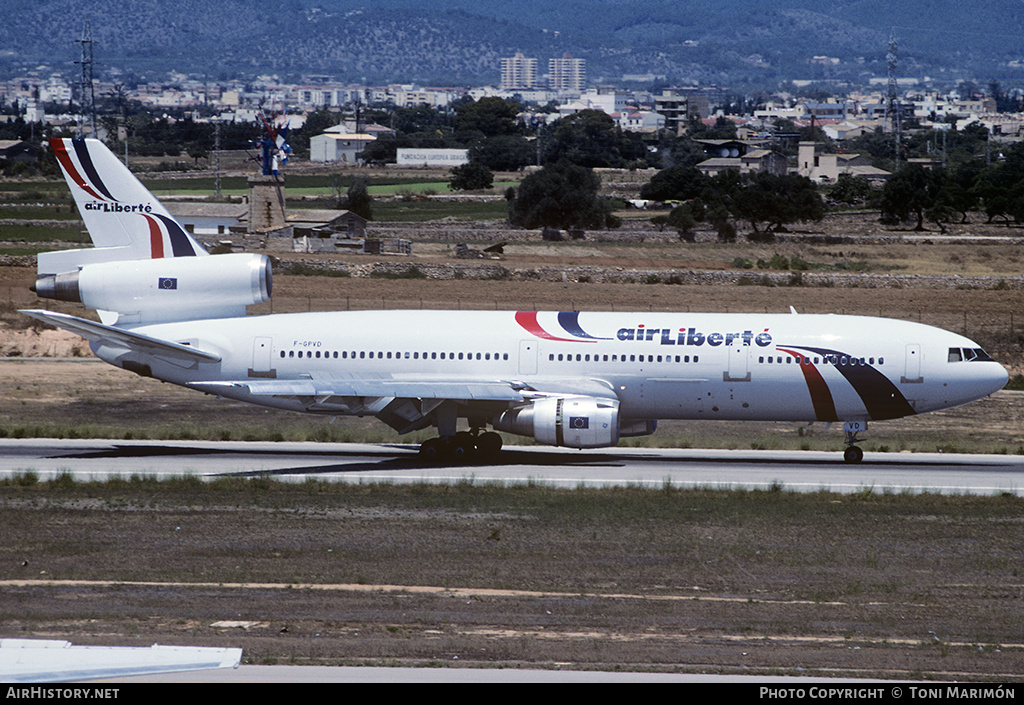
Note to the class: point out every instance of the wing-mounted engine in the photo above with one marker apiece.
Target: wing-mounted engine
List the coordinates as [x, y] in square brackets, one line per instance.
[167, 289]
[573, 422]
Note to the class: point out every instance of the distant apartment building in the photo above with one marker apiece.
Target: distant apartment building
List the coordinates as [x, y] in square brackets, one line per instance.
[55, 90]
[518, 72]
[313, 96]
[410, 97]
[607, 100]
[828, 110]
[567, 75]
[678, 105]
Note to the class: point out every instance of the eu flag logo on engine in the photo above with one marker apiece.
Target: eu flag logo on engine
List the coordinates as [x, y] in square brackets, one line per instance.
[168, 283]
[579, 422]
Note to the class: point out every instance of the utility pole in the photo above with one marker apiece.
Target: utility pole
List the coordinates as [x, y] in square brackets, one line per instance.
[216, 159]
[86, 85]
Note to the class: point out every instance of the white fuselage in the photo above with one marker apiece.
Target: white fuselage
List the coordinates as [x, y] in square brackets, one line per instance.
[784, 367]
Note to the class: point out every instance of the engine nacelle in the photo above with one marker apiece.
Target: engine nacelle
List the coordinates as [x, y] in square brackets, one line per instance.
[573, 422]
[155, 290]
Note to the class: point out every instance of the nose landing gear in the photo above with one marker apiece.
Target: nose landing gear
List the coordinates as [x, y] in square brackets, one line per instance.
[853, 454]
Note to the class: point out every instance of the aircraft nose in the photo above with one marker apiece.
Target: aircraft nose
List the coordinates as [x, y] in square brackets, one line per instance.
[997, 377]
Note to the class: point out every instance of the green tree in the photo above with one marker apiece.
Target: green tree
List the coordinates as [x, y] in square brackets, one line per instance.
[359, 200]
[682, 219]
[420, 119]
[962, 188]
[504, 152]
[471, 176]
[850, 190]
[911, 192]
[677, 183]
[1000, 186]
[491, 117]
[591, 139]
[563, 195]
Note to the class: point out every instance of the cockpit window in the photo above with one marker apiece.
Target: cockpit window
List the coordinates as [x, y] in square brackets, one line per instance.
[968, 355]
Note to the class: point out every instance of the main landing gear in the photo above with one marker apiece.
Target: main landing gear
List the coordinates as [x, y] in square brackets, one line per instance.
[853, 454]
[463, 447]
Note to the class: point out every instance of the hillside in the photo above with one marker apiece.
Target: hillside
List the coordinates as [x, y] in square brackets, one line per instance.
[733, 42]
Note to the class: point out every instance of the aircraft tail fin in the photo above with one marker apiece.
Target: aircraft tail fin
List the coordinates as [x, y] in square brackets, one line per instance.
[125, 221]
[144, 267]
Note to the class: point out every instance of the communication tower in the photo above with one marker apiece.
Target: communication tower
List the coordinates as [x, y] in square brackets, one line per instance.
[892, 105]
[87, 93]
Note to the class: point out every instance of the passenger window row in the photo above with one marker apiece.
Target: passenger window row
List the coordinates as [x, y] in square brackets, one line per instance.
[580, 357]
[840, 360]
[388, 355]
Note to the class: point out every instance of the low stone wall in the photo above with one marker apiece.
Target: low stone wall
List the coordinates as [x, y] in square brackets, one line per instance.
[621, 275]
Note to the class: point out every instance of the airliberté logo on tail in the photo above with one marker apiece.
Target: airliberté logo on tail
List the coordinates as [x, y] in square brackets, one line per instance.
[118, 207]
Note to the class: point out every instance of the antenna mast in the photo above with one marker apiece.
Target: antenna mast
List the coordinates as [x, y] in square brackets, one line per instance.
[88, 94]
[892, 105]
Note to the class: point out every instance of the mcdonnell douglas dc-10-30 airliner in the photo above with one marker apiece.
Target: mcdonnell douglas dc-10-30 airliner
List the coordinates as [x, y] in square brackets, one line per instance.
[169, 310]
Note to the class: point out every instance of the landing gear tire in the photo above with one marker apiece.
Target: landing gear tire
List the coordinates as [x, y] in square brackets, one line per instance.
[853, 454]
[463, 448]
[488, 444]
[433, 450]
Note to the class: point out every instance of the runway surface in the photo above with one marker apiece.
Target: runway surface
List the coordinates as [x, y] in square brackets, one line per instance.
[792, 470]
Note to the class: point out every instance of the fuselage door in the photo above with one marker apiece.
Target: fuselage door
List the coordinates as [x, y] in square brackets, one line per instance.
[913, 365]
[262, 348]
[738, 370]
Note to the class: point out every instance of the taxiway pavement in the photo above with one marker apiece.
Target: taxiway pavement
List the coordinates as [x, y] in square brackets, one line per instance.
[792, 470]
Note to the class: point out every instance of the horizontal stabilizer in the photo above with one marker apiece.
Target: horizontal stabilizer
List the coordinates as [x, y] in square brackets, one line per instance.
[118, 337]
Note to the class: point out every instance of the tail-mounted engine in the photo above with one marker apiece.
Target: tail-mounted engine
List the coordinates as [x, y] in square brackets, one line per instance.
[168, 289]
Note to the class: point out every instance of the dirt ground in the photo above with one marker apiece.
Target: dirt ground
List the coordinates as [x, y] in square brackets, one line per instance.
[767, 583]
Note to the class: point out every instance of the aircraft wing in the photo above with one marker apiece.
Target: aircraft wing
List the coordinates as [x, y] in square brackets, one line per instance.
[464, 390]
[118, 337]
[404, 404]
[439, 388]
[57, 661]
